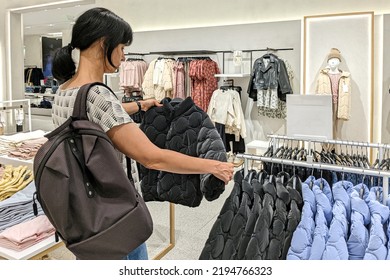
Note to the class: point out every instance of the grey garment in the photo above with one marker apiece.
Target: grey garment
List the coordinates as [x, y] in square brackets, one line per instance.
[18, 208]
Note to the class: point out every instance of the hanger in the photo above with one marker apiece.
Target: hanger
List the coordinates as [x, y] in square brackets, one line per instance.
[311, 184]
[230, 86]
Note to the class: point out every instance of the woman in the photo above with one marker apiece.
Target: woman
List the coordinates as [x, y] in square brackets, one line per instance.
[101, 37]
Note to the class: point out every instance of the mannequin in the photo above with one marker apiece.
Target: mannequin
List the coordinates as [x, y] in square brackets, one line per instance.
[336, 82]
[333, 65]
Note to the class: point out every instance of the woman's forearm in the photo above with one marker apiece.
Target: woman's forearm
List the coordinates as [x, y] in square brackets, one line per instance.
[170, 161]
[131, 141]
[130, 107]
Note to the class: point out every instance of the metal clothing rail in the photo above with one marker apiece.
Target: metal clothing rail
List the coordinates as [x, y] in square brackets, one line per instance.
[251, 54]
[313, 139]
[331, 167]
[327, 141]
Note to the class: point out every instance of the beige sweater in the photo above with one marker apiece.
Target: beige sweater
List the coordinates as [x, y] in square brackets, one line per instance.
[323, 86]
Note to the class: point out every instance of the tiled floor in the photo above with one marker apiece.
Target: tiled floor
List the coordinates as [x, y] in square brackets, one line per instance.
[192, 227]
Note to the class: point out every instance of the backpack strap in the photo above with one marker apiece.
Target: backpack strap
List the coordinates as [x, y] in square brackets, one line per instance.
[80, 105]
[80, 112]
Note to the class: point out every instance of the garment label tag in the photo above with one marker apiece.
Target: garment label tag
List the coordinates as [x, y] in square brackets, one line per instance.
[345, 88]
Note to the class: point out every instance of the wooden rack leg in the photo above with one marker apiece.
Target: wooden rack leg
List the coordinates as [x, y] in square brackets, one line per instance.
[172, 240]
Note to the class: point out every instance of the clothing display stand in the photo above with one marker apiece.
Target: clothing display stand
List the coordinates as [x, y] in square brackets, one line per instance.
[36, 251]
[331, 167]
[356, 170]
[172, 240]
[16, 105]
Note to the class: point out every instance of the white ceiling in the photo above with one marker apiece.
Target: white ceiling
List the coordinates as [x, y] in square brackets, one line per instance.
[48, 21]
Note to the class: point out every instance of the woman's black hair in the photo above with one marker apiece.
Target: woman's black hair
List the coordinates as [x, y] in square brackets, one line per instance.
[94, 24]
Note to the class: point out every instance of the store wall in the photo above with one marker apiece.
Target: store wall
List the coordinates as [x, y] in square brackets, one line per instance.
[3, 81]
[284, 34]
[33, 50]
[165, 15]
[174, 14]
[386, 81]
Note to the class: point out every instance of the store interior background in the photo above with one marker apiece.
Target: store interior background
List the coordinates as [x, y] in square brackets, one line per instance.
[217, 25]
[177, 25]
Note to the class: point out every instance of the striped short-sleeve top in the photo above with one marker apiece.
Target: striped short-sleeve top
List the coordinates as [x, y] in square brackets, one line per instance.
[103, 107]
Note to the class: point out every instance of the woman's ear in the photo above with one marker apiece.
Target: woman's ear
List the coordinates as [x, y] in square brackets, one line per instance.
[101, 43]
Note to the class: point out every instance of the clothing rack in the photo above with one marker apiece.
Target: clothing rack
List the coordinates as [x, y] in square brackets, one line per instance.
[310, 139]
[200, 52]
[310, 164]
[331, 167]
[250, 51]
[194, 52]
[135, 53]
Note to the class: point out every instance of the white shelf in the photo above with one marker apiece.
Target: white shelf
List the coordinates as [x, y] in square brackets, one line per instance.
[29, 252]
[39, 94]
[6, 160]
[41, 111]
[226, 75]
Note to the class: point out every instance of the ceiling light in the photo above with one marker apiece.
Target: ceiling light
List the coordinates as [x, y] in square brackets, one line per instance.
[51, 25]
[28, 27]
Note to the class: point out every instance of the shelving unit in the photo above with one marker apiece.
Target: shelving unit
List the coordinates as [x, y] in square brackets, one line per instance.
[32, 94]
[38, 250]
[227, 75]
[35, 252]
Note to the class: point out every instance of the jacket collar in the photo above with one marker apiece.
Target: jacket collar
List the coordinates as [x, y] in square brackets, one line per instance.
[178, 106]
[344, 74]
[270, 64]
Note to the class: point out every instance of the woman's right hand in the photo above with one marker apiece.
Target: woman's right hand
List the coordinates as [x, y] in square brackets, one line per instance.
[224, 171]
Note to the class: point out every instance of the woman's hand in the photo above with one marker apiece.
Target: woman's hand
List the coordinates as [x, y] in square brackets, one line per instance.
[224, 171]
[148, 103]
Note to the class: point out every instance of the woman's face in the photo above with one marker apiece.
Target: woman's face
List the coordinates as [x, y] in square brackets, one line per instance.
[117, 56]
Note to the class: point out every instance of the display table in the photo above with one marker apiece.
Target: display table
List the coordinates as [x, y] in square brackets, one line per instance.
[38, 250]
[34, 252]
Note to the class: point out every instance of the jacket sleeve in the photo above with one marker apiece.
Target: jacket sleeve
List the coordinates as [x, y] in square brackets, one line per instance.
[210, 146]
[252, 92]
[284, 82]
[155, 125]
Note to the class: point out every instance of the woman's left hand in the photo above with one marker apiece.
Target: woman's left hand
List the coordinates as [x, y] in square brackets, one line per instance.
[148, 103]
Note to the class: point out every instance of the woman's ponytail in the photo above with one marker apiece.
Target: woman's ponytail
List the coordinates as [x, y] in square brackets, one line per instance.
[63, 64]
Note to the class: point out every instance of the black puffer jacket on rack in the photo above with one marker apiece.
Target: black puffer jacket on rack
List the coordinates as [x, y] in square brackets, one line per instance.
[215, 243]
[188, 130]
[294, 187]
[279, 220]
[259, 242]
[258, 195]
[240, 218]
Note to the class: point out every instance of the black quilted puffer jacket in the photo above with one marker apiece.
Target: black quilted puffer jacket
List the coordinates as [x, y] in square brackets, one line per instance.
[257, 220]
[181, 126]
[218, 236]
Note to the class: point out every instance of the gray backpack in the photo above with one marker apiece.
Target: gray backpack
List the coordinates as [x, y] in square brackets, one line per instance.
[85, 192]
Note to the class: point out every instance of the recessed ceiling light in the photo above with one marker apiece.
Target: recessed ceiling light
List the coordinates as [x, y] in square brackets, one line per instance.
[45, 10]
[51, 24]
[28, 27]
